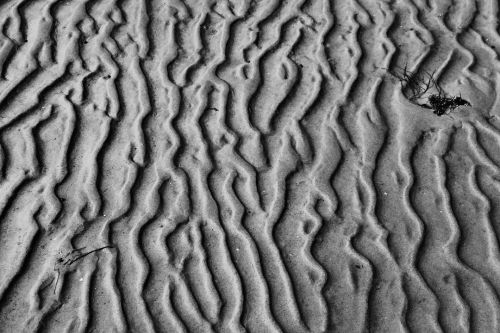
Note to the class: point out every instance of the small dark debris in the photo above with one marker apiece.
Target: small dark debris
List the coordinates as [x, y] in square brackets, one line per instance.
[68, 260]
[442, 104]
[417, 87]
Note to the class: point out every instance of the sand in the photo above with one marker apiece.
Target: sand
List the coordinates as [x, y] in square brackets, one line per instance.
[248, 166]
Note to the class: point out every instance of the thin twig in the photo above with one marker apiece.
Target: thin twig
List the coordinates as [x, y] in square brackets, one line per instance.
[69, 261]
[90, 252]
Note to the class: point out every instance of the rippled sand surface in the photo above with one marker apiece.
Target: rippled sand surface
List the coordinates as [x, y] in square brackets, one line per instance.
[248, 166]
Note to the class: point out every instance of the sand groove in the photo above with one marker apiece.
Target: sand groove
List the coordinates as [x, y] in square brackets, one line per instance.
[253, 166]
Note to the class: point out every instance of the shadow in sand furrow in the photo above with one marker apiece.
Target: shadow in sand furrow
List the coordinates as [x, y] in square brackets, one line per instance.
[36, 70]
[134, 262]
[275, 69]
[292, 235]
[4, 161]
[24, 168]
[445, 269]
[103, 302]
[393, 179]
[283, 292]
[422, 302]
[131, 268]
[59, 280]
[487, 37]
[140, 154]
[486, 144]
[208, 39]
[200, 280]
[47, 207]
[226, 279]
[436, 235]
[7, 52]
[328, 248]
[193, 279]
[59, 128]
[380, 239]
[189, 298]
[162, 275]
[287, 136]
[371, 246]
[78, 175]
[147, 237]
[191, 273]
[372, 256]
[254, 308]
[470, 208]
[192, 107]
[202, 192]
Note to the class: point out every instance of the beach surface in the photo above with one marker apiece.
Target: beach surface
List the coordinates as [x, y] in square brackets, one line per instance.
[249, 166]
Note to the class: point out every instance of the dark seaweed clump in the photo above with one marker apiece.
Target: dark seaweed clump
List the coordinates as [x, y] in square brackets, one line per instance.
[418, 87]
[443, 105]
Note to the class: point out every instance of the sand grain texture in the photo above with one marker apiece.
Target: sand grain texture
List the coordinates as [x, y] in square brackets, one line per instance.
[248, 166]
